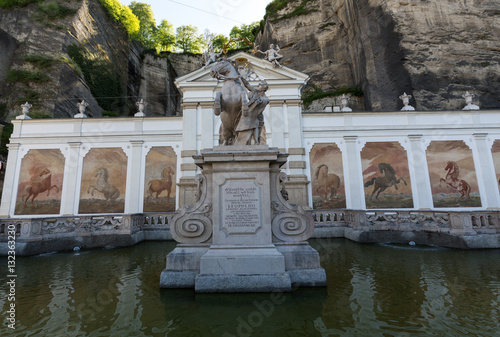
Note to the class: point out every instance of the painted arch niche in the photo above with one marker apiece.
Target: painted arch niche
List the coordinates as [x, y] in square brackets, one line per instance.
[159, 185]
[40, 182]
[386, 175]
[452, 175]
[495, 151]
[327, 175]
[104, 179]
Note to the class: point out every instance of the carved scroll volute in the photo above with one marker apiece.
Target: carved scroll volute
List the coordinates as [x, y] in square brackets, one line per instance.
[194, 224]
[290, 222]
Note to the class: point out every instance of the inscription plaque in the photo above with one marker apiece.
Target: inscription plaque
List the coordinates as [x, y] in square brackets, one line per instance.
[241, 210]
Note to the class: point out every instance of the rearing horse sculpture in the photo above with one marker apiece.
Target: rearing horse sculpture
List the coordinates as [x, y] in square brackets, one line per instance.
[231, 101]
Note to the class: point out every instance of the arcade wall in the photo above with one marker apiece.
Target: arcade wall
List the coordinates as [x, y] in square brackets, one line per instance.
[446, 160]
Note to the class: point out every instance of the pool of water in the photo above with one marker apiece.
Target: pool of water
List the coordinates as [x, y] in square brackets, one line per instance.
[373, 290]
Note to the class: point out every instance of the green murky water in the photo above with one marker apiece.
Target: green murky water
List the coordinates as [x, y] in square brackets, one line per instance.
[373, 290]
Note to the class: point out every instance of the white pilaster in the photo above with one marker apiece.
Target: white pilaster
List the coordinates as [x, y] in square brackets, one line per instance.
[419, 173]
[485, 172]
[355, 196]
[207, 124]
[70, 180]
[277, 124]
[8, 194]
[135, 179]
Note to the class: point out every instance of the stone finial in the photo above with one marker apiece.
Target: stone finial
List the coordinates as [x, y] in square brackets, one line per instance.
[406, 102]
[141, 105]
[26, 109]
[81, 109]
[344, 101]
[468, 100]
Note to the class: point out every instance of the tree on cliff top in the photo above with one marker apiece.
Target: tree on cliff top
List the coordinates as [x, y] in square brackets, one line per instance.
[189, 40]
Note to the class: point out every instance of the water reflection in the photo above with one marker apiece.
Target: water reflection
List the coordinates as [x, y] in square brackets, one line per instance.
[373, 290]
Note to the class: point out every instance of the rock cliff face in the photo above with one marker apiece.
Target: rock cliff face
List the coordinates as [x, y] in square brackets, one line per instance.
[101, 45]
[432, 49]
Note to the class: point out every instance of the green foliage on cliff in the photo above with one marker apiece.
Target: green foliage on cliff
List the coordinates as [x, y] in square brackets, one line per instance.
[7, 130]
[318, 93]
[52, 10]
[16, 3]
[25, 76]
[101, 77]
[122, 14]
[276, 5]
[39, 60]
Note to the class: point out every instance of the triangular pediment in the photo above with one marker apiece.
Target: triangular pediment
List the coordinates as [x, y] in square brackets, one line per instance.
[256, 68]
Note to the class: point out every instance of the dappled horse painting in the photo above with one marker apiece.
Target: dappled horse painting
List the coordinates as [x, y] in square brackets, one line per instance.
[452, 180]
[156, 186]
[109, 191]
[328, 182]
[230, 101]
[37, 187]
[382, 183]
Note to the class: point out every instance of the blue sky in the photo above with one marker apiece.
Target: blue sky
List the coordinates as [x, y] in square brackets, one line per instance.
[229, 13]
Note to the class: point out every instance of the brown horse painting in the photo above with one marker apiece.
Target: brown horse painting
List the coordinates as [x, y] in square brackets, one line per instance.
[36, 188]
[452, 180]
[109, 191]
[326, 181]
[382, 183]
[157, 186]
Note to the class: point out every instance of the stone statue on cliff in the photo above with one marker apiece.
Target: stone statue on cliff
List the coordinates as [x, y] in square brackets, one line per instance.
[210, 56]
[241, 115]
[273, 55]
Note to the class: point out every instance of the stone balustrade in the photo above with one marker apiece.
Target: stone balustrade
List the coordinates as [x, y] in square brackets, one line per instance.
[41, 235]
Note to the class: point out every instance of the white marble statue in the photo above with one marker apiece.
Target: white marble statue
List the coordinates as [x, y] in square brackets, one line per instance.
[468, 100]
[406, 102]
[81, 109]
[141, 105]
[273, 55]
[26, 109]
[344, 101]
[210, 56]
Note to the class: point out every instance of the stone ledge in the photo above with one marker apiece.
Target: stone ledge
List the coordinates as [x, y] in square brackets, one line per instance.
[232, 283]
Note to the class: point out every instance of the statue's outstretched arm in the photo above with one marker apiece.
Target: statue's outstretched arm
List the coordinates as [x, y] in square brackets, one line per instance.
[246, 84]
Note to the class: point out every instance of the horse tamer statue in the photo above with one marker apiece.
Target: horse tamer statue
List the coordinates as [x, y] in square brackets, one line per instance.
[241, 116]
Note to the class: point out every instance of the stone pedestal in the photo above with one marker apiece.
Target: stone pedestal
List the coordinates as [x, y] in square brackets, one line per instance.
[242, 235]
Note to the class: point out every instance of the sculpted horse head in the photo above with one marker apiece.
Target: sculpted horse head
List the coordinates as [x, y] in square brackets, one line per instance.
[224, 70]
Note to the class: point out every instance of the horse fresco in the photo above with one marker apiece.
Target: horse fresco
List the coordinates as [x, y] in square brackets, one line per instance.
[109, 191]
[452, 180]
[36, 188]
[382, 183]
[326, 181]
[156, 186]
[231, 102]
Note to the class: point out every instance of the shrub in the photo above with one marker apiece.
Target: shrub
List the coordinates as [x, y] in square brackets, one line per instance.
[8, 128]
[16, 3]
[318, 93]
[19, 75]
[39, 60]
[50, 11]
[122, 14]
[101, 77]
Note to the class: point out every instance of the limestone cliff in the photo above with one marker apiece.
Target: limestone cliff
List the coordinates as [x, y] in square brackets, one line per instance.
[54, 63]
[432, 49]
